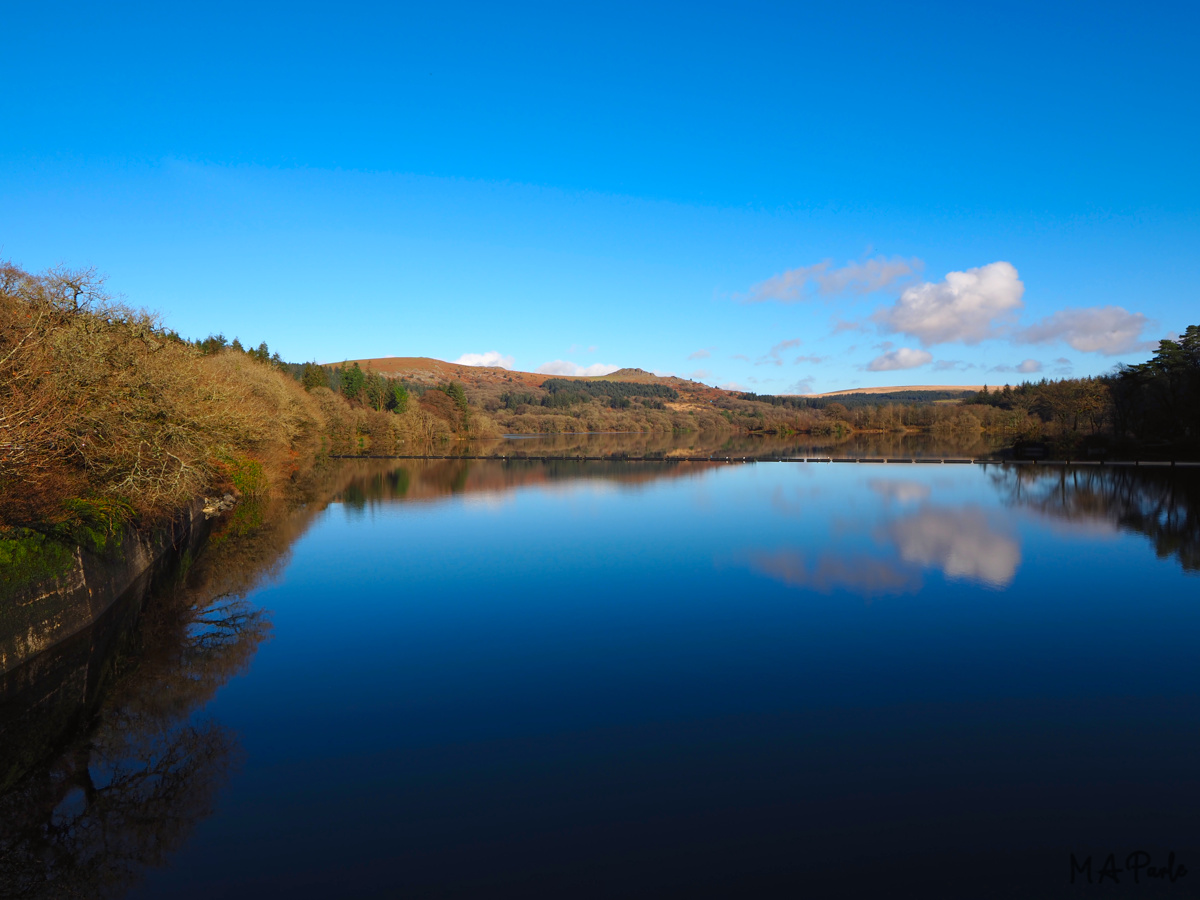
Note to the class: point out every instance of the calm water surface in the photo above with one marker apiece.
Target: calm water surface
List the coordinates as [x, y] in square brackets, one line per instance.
[601, 679]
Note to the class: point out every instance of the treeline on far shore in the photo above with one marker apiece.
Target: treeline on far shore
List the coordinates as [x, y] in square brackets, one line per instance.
[106, 417]
[1149, 408]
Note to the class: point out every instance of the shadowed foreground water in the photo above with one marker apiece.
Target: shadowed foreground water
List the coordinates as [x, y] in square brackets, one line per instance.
[596, 679]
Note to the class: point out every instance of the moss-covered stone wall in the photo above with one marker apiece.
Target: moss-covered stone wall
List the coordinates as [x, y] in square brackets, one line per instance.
[50, 591]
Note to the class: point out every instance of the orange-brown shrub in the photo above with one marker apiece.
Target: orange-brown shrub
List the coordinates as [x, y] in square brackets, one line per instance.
[98, 401]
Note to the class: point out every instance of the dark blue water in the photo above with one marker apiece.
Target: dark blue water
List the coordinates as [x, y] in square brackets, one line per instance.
[751, 680]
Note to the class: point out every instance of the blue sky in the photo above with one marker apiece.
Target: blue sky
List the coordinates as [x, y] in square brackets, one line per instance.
[784, 197]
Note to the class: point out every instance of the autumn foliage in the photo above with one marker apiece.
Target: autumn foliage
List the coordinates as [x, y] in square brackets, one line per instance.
[100, 407]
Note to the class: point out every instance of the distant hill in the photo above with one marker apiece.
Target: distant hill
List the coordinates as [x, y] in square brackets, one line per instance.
[902, 389]
[632, 399]
[428, 371]
[424, 370]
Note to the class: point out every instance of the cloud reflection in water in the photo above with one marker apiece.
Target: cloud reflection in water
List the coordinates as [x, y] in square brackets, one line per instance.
[900, 491]
[864, 575]
[963, 542]
[960, 542]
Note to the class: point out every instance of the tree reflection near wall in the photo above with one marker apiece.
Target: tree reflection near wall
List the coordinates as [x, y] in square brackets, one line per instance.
[129, 786]
[106, 760]
[1160, 503]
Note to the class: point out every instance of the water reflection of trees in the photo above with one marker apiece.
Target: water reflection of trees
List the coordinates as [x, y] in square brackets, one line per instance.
[106, 763]
[81, 828]
[106, 760]
[379, 481]
[125, 787]
[1161, 504]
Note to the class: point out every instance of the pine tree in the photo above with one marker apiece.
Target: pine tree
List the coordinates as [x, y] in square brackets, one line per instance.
[458, 395]
[398, 397]
[353, 381]
[314, 376]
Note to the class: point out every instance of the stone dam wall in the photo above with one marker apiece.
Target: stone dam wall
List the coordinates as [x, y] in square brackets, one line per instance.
[37, 616]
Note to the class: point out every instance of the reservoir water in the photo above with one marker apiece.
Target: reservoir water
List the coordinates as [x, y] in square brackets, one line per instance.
[568, 679]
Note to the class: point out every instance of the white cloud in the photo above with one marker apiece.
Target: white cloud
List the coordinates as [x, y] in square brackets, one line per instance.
[967, 306]
[772, 356]
[860, 277]
[840, 325]
[1026, 367]
[700, 354]
[904, 358]
[490, 358]
[801, 386]
[731, 386]
[948, 365]
[563, 367]
[700, 375]
[1095, 329]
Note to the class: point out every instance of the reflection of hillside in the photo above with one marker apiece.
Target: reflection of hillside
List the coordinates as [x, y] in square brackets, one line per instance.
[252, 544]
[1162, 504]
[376, 481]
[370, 481]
